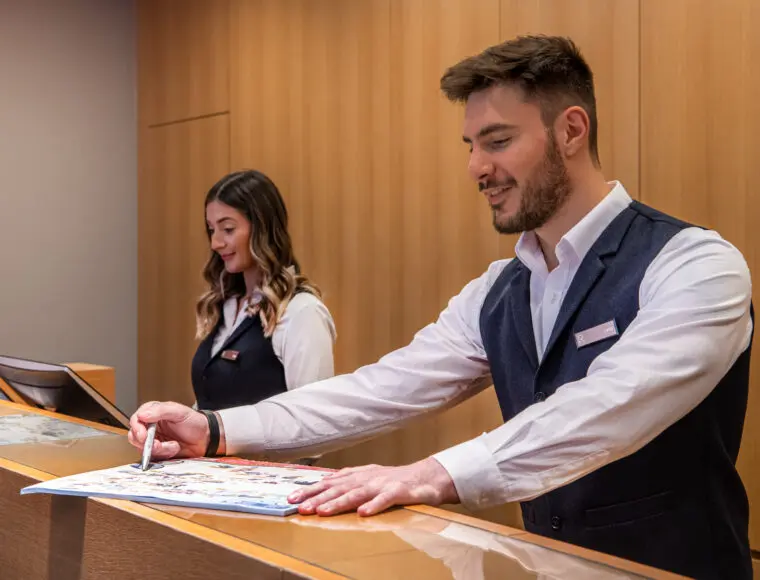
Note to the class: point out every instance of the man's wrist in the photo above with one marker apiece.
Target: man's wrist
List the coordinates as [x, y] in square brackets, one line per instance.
[475, 474]
[442, 481]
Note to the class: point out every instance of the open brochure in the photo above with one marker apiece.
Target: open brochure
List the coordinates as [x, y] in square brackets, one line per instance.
[224, 484]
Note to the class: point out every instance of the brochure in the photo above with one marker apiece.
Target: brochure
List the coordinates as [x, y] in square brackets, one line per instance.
[224, 484]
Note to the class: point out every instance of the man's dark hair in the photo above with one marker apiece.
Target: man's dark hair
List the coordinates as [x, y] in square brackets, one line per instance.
[550, 70]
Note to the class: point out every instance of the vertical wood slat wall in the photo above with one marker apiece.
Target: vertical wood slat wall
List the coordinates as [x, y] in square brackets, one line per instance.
[183, 147]
[338, 101]
[700, 140]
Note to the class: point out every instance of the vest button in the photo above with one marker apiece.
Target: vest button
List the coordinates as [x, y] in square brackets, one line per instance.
[539, 396]
[556, 522]
[204, 377]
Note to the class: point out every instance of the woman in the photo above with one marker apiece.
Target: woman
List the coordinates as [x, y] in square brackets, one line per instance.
[262, 324]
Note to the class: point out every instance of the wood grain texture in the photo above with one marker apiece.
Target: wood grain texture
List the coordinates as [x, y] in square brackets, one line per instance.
[12, 408]
[74, 537]
[700, 129]
[102, 378]
[633, 567]
[183, 59]
[608, 36]
[338, 102]
[178, 165]
[11, 393]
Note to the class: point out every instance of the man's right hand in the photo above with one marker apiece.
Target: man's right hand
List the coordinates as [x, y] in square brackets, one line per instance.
[180, 431]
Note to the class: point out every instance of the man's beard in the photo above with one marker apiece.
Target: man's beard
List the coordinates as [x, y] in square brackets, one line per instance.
[543, 194]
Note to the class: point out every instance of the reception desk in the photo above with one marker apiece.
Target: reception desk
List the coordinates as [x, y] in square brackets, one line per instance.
[57, 537]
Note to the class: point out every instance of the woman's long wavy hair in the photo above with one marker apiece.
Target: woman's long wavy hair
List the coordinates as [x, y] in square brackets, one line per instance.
[255, 196]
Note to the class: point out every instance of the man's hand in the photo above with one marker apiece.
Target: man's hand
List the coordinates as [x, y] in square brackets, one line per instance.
[373, 488]
[180, 431]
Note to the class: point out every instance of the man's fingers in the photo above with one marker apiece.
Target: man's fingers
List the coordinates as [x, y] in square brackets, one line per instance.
[137, 431]
[131, 438]
[160, 449]
[379, 503]
[164, 449]
[307, 492]
[310, 505]
[371, 489]
[154, 412]
[346, 502]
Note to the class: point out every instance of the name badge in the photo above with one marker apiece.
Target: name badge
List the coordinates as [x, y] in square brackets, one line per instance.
[596, 333]
[230, 354]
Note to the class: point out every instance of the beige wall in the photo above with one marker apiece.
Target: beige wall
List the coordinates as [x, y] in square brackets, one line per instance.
[68, 184]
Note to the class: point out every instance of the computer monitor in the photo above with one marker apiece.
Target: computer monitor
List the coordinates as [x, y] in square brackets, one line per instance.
[55, 387]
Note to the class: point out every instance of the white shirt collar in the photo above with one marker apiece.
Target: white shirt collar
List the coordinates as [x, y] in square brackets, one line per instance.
[581, 236]
[230, 308]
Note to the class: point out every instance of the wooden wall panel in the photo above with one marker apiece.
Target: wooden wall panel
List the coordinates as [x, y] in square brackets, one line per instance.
[608, 36]
[338, 101]
[700, 129]
[183, 55]
[442, 223]
[178, 164]
[308, 103]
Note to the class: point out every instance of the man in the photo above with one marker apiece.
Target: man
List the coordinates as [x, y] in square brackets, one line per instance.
[618, 342]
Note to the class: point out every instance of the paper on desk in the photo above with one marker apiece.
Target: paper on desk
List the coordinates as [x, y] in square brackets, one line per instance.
[225, 484]
[32, 428]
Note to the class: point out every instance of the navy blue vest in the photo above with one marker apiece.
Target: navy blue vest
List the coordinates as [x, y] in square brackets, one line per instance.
[244, 371]
[678, 503]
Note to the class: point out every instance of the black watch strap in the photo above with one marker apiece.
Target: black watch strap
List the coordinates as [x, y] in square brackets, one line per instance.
[214, 433]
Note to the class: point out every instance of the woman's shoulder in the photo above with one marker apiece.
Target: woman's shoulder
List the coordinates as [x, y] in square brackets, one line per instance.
[303, 302]
[305, 308]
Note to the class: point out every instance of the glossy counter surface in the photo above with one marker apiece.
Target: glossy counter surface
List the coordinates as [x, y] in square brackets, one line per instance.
[416, 542]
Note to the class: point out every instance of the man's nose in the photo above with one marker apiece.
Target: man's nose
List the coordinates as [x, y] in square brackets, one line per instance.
[480, 166]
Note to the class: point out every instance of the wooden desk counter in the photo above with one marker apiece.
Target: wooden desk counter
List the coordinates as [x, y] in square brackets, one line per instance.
[48, 537]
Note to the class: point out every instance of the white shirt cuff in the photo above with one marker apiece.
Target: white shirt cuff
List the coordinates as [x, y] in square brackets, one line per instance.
[475, 473]
[243, 433]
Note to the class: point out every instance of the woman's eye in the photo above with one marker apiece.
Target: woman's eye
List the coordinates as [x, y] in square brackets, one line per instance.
[228, 230]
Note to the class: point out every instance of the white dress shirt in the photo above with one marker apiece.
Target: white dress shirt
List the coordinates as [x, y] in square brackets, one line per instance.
[302, 339]
[692, 325]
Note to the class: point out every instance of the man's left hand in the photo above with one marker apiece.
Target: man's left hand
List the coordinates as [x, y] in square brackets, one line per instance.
[373, 488]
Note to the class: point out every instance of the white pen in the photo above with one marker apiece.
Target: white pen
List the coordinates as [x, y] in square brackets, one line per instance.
[148, 447]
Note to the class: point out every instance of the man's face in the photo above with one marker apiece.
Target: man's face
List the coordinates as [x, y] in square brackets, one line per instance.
[514, 158]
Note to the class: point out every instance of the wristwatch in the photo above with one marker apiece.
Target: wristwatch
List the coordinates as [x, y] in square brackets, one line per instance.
[214, 433]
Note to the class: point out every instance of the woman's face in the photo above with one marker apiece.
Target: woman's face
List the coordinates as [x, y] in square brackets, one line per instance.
[230, 234]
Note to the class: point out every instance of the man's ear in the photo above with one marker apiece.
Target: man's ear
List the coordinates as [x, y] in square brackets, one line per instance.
[572, 130]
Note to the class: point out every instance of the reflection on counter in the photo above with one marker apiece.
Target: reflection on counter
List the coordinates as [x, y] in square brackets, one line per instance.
[28, 428]
[468, 553]
[462, 549]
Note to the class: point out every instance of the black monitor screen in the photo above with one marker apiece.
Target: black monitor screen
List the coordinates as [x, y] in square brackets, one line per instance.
[57, 388]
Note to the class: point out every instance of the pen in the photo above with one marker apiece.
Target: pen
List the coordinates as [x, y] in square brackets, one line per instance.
[148, 447]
